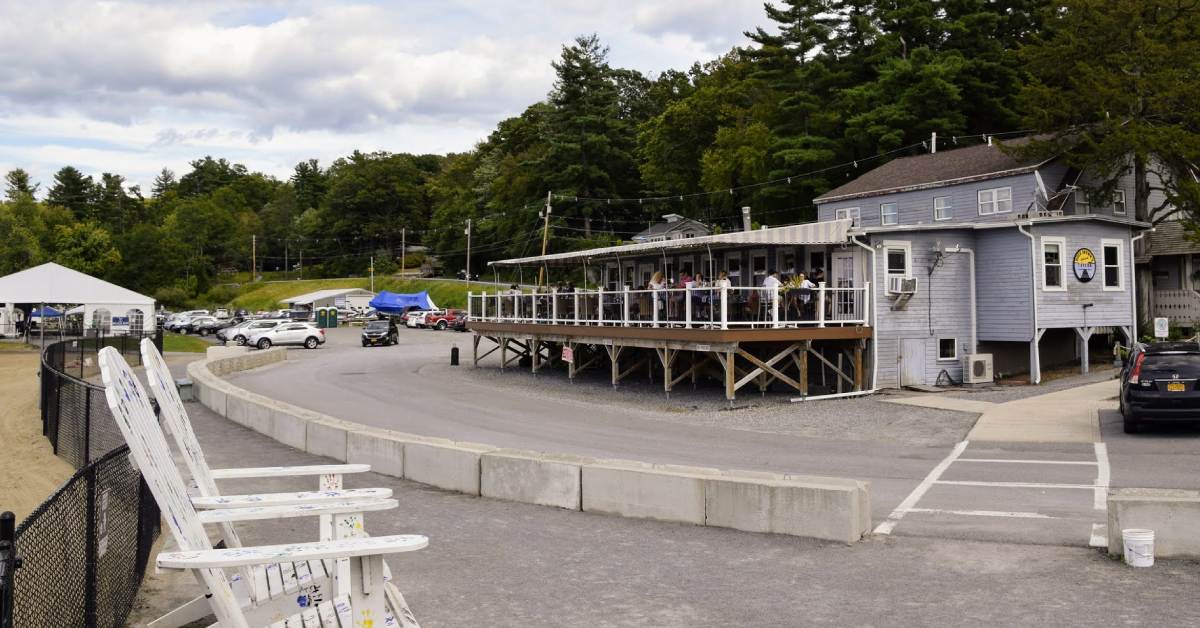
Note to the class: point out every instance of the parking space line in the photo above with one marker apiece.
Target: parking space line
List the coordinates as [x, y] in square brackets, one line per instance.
[984, 513]
[1015, 484]
[915, 496]
[1100, 501]
[1084, 462]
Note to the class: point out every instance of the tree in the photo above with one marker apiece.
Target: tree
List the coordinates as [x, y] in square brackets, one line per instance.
[208, 175]
[19, 248]
[310, 183]
[164, 183]
[18, 185]
[74, 191]
[86, 247]
[1115, 84]
[113, 207]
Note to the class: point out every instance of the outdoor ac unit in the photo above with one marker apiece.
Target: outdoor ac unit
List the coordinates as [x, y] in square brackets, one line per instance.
[978, 369]
[902, 285]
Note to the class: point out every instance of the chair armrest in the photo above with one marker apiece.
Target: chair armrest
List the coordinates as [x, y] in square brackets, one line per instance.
[289, 499]
[280, 472]
[288, 512]
[292, 552]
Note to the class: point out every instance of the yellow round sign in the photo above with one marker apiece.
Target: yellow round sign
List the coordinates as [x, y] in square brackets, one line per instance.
[1084, 264]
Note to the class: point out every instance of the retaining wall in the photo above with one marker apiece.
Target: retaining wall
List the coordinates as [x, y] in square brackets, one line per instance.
[1173, 514]
[833, 509]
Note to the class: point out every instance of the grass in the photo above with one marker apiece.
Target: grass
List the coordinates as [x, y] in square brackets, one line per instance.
[185, 344]
[267, 295]
[16, 347]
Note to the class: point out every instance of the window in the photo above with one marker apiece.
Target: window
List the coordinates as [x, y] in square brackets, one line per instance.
[733, 265]
[758, 264]
[1082, 205]
[941, 208]
[995, 201]
[852, 213]
[1111, 256]
[1052, 263]
[1119, 202]
[898, 259]
[888, 214]
[787, 263]
[947, 349]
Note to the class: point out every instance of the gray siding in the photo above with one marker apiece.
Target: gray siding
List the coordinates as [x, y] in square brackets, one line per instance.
[1064, 308]
[948, 314]
[1002, 285]
[916, 208]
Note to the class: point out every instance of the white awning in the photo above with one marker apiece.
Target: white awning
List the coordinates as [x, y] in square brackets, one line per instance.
[827, 232]
[52, 283]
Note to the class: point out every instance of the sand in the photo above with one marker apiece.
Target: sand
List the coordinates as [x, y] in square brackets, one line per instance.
[29, 470]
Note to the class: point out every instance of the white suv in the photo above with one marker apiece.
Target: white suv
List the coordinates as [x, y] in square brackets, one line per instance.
[306, 334]
[241, 333]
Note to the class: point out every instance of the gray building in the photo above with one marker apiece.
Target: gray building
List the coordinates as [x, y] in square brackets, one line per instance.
[673, 227]
[974, 252]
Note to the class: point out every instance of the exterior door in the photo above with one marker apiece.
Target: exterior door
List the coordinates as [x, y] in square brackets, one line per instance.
[844, 274]
[912, 361]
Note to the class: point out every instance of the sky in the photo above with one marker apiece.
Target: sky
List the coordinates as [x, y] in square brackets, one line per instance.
[133, 87]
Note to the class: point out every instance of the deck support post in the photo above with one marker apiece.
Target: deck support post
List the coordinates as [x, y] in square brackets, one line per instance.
[802, 364]
[614, 356]
[858, 365]
[475, 349]
[503, 353]
[1085, 335]
[535, 355]
[730, 376]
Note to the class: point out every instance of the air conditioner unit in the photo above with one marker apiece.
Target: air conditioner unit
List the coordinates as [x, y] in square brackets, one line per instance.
[902, 285]
[978, 369]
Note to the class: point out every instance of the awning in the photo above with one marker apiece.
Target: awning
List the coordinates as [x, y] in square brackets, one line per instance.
[827, 232]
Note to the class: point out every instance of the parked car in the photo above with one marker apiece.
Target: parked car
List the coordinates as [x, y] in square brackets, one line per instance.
[202, 325]
[413, 318]
[380, 332]
[288, 333]
[1160, 382]
[178, 322]
[221, 313]
[239, 335]
[460, 323]
[440, 319]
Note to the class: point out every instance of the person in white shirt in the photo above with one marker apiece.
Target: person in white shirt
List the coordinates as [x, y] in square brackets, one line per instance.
[770, 287]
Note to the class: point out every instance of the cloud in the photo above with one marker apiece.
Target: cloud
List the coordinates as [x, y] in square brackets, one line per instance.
[277, 81]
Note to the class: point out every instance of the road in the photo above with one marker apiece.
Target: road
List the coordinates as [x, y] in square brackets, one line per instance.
[1018, 492]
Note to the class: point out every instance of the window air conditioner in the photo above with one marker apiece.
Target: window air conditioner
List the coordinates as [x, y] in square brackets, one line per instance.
[978, 369]
[902, 285]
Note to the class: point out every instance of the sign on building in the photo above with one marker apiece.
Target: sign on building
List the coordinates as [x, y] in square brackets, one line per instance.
[568, 355]
[1161, 329]
[1084, 264]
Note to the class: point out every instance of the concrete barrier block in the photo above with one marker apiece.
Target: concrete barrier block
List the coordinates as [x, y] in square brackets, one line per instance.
[827, 510]
[258, 415]
[289, 429]
[1173, 514]
[384, 452]
[326, 438]
[216, 400]
[532, 478]
[448, 466]
[237, 408]
[644, 491]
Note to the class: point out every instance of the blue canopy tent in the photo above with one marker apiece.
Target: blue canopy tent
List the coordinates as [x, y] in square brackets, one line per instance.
[393, 303]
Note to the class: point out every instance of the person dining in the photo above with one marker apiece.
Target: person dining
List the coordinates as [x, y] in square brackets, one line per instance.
[770, 287]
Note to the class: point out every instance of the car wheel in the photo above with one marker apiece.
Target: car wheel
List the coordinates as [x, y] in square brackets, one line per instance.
[310, 343]
[441, 325]
[395, 340]
[1131, 423]
[364, 343]
[264, 343]
[203, 332]
[240, 341]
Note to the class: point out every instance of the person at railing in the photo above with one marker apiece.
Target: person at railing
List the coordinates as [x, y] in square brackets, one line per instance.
[770, 287]
[512, 303]
[700, 298]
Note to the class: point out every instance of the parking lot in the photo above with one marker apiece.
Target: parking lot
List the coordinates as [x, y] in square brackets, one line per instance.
[995, 491]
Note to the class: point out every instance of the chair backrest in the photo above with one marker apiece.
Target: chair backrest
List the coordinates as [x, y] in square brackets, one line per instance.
[134, 415]
[170, 407]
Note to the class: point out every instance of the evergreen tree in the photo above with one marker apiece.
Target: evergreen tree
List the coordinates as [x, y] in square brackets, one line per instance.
[310, 183]
[164, 183]
[18, 185]
[73, 191]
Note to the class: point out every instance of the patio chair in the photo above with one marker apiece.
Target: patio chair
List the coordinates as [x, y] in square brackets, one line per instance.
[360, 600]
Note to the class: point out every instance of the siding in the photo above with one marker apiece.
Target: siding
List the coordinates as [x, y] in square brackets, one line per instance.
[1064, 309]
[1002, 284]
[948, 315]
[916, 208]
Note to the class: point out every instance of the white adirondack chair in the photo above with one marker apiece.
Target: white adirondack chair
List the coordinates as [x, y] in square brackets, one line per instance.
[359, 600]
[174, 414]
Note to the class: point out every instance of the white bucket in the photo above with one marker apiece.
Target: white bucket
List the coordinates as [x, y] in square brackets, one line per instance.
[1139, 547]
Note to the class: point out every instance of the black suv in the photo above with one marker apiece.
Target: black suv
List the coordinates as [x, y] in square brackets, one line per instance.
[1161, 381]
[380, 332]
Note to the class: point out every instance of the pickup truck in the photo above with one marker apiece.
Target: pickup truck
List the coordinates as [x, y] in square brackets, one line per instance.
[441, 319]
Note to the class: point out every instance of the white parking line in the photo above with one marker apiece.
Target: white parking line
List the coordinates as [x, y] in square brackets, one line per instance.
[985, 513]
[1085, 462]
[1016, 484]
[1101, 496]
[909, 502]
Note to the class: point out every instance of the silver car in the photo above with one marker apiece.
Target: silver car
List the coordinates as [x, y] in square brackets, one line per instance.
[289, 333]
[239, 334]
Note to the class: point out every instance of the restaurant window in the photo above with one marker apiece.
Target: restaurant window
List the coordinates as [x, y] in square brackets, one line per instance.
[941, 208]
[816, 260]
[1112, 259]
[898, 259]
[947, 349]
[995, 201]
[733, 265]
[612, 278]
[1119, 202]
[852, 213]
[1052, 263]
[888, 214]
[788, 263]
[758, 264]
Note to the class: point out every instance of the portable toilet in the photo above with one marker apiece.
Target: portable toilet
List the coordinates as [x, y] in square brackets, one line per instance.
[322, 318]
[332, 317]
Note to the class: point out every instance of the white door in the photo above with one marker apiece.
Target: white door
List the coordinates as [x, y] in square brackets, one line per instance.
[844, 274]
[912, 361]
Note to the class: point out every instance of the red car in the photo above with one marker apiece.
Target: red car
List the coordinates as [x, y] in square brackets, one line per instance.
[441, 319]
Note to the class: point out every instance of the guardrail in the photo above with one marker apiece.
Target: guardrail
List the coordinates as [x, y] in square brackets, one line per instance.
[720, 307]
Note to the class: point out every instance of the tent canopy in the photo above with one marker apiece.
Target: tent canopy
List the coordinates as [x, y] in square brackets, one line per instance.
[393, 303]
[52, 283]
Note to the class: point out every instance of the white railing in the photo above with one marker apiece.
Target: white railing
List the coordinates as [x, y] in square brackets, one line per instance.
[707, 307]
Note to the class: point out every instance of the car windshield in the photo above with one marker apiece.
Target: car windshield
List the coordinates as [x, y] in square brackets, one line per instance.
[377, 325]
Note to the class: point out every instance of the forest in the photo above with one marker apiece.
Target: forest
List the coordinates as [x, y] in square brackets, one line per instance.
[820, 92]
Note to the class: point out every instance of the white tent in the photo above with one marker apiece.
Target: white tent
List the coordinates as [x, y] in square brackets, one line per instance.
[106, 306]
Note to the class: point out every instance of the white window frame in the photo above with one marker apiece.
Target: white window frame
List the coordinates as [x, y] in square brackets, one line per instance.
[756, 254]
[945, 208]
[1083, 206]
[1119, 201]
[906, 246]
[853, 213]
[994, 202]
[953, 358]
[895, 215]
[1062, 263]
[1120, 246]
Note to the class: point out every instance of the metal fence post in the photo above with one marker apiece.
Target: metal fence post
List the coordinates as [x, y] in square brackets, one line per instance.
[89, 612]
[87, 425]
[9, 563]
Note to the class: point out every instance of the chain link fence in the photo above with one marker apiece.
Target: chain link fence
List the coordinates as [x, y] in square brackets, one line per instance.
[78, 559]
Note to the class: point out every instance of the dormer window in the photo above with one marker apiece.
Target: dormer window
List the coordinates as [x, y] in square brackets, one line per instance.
[888, 214]
[995, 201]
[848, 212]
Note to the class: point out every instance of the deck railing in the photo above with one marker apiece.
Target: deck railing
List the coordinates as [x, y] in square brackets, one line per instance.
[707, 307]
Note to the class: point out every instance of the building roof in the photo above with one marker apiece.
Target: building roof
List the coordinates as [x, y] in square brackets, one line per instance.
[825, 232]
[930, 170]
[1170, 237]
[306, 299]
[669, 225]
[52, 283]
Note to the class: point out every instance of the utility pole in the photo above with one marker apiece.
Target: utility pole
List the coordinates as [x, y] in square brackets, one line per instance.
[468, 232]
[253, 258]
[402, 230]
[372, 273]
[545, 237]
[301, 267]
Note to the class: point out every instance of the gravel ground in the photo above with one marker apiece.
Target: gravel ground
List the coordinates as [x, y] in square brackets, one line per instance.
[1000, 394]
